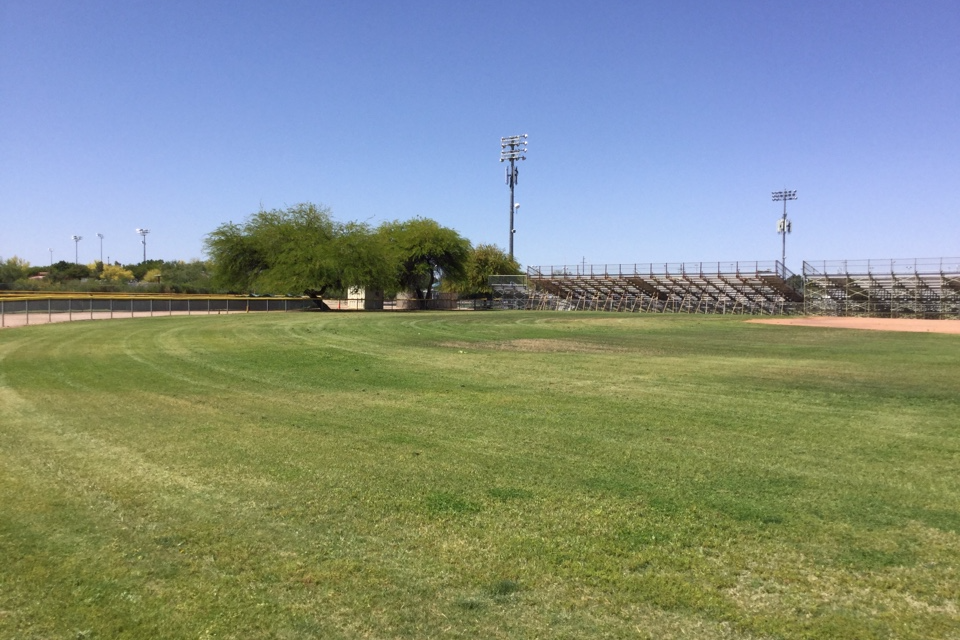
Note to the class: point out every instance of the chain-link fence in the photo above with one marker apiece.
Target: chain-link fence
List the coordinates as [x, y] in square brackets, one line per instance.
[19, 310]
[26, 310]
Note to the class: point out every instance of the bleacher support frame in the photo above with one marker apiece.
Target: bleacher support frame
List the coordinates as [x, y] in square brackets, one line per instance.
[896, 288]
[751, 288]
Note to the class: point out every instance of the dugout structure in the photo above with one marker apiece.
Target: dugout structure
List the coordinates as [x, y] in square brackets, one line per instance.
[753, 288]
[904, 288]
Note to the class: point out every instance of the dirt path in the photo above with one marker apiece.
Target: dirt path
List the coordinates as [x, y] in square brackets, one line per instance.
[11, 320]
[873, 324]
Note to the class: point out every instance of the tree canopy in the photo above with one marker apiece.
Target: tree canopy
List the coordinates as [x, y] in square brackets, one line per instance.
[13, 270]
[483, 261]
[113, 273]
[423, 252]
[275, 250]
[303, 249]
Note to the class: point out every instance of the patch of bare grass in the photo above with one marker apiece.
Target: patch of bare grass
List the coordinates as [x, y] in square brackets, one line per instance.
[534, 345]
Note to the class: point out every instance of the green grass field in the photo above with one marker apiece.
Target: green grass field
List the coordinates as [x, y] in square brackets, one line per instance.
[477, 475]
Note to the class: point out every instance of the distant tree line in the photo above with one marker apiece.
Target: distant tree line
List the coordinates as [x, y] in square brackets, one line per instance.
[151, 276]
[298, 250]
[302, 249]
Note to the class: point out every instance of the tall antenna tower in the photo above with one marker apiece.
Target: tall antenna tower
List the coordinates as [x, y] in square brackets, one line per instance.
[513, 148]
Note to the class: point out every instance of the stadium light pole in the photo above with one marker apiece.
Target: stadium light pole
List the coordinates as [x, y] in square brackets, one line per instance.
[100, 235]
[144, 232]
[51, 255]
[784, 225]
[513, 148]
[76, 248]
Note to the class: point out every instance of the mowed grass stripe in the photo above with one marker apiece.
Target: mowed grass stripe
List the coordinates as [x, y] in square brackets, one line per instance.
[477, 475]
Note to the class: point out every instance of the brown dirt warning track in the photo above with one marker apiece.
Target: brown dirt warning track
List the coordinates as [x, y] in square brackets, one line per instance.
[873, 324]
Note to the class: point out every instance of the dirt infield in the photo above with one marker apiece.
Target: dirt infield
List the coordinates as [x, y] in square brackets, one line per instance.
[873, 324]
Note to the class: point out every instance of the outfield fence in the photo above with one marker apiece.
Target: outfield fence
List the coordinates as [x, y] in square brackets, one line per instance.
[19, 310]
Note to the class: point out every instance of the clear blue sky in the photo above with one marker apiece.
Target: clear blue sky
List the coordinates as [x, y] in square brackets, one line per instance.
[657, 128]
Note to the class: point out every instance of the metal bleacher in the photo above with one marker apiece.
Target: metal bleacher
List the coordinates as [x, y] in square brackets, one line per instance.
[753, 288]
[904, 288]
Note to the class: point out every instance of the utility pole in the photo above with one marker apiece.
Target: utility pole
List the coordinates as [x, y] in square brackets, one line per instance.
[513, 148]
[783, 225]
